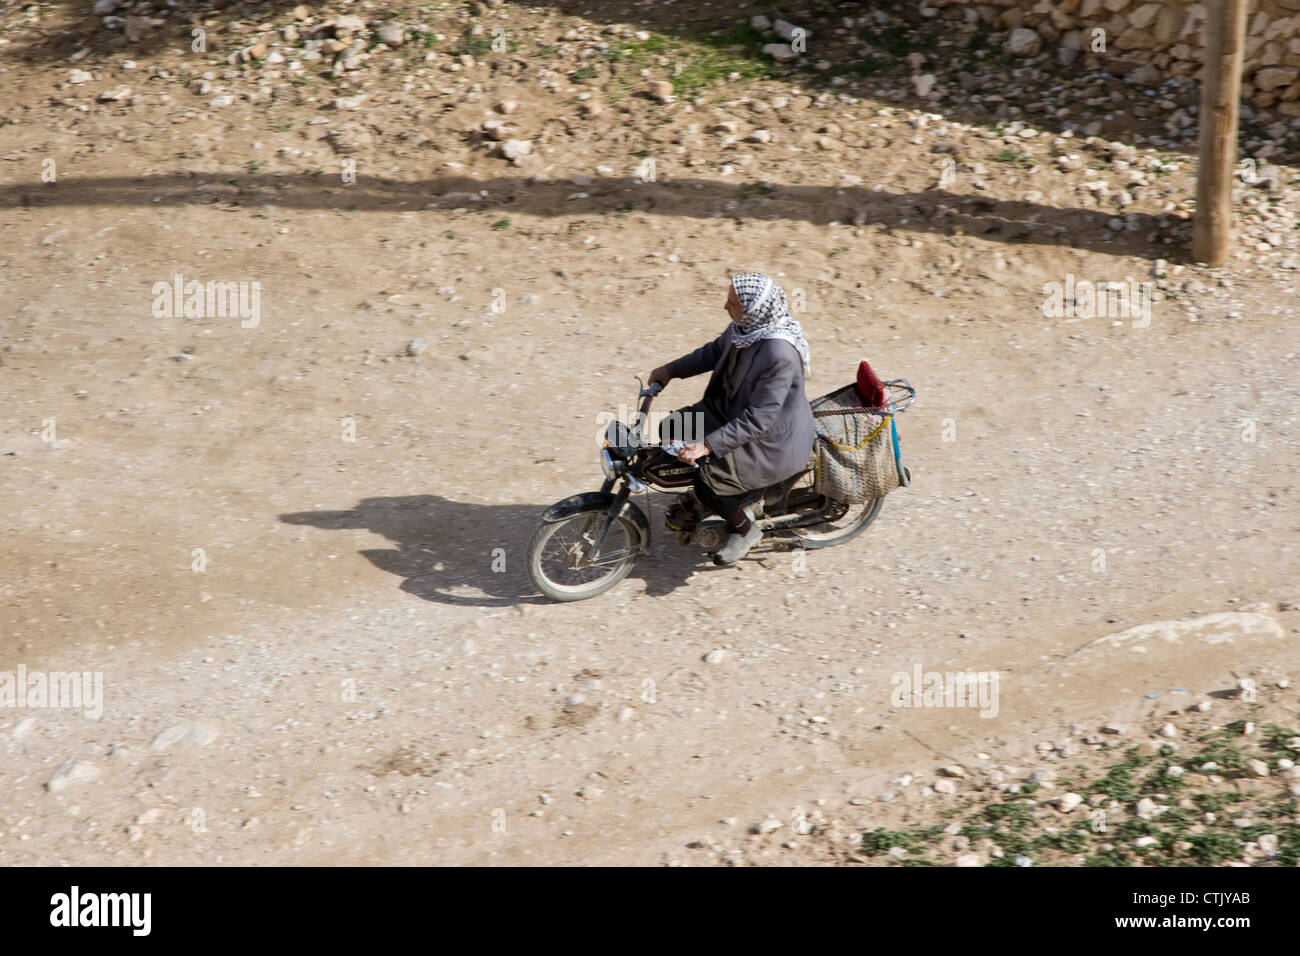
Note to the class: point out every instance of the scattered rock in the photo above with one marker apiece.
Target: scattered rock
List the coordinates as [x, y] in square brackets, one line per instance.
[786, 30]
[72, 772]
[184, 732]
[1148, 809]
[1270, 78]
[391, 33]
[1209, 629]
[1145, 75]
[496, 129]
[350, 138]
[516, 149]
[923, 85]
[660, 90]
[1023, 42]
[1068, 801]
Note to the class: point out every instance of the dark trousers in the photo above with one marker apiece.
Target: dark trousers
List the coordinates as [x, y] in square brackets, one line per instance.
[724, 506]
[717, 485]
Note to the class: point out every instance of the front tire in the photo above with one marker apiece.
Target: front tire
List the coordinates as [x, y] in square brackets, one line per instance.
[558, 563]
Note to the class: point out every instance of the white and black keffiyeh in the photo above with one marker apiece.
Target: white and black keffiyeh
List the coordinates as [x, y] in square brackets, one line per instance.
[766, 316]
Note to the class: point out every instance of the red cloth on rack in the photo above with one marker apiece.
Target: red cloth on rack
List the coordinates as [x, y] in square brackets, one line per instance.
[870, 387]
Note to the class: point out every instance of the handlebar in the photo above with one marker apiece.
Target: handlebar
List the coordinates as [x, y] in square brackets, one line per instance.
[648, 395]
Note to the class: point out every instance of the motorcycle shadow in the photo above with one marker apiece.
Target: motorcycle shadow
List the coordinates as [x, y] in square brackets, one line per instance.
[474, 555]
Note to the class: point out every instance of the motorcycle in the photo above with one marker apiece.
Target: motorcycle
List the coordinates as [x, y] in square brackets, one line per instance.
[587, 543]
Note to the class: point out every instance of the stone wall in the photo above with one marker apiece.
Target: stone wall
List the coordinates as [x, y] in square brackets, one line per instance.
[1155, 39]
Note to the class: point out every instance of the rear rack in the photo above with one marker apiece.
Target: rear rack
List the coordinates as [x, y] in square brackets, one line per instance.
[846, 400]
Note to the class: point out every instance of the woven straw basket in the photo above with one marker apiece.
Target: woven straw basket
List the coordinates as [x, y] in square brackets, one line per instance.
[856, 449]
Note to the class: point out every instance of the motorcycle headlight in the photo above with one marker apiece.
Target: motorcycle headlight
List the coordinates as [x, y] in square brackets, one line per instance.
[609, 466]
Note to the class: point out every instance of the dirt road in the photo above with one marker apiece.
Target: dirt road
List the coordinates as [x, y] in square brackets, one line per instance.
[293, 547]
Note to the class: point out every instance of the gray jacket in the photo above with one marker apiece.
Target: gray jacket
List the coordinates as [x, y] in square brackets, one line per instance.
[769, 428]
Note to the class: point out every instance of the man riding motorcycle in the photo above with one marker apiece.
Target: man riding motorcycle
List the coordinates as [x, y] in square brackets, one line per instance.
[756, 422]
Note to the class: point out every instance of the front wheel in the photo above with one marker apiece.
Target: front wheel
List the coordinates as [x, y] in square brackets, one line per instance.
[562, 563]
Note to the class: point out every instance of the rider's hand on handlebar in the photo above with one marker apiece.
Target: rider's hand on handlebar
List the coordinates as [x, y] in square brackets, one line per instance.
[660, 375]
[693, 451]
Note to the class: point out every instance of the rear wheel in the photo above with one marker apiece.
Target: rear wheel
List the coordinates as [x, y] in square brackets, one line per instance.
[560, 562]
[842, 523]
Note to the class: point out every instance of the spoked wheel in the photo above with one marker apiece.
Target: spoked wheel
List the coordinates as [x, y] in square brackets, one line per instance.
[560, 560]
[842, 522]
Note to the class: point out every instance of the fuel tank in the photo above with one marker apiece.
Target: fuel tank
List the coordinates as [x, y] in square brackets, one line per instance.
[667, 472]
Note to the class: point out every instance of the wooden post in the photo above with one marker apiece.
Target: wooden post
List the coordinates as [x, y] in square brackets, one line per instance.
[1225, 41]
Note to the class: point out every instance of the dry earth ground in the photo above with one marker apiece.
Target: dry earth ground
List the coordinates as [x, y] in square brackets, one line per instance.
[379, 693]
